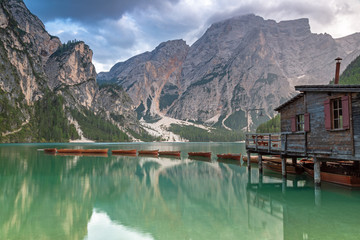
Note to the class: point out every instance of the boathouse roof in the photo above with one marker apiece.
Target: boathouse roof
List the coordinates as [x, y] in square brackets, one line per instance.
[328, 88]
[319, 88]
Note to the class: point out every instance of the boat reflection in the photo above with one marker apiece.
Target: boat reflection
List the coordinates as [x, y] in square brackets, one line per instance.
[200, 158]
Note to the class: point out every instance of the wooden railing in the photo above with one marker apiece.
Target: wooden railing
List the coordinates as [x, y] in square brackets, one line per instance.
[285, 142]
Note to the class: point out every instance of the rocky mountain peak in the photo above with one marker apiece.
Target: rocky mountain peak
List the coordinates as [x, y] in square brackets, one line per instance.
[151, 75]
[240, 63]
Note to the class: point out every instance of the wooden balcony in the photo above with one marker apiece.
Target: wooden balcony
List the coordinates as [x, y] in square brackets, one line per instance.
[292, 144]
[285, 143]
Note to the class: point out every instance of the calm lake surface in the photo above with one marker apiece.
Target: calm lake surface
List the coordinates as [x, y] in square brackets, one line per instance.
[46, 196]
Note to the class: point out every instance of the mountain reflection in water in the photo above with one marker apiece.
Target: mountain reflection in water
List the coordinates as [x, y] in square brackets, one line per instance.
[125, 197]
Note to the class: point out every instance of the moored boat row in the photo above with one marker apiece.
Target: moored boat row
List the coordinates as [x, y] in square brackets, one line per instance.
[155, 152]
[229, 156]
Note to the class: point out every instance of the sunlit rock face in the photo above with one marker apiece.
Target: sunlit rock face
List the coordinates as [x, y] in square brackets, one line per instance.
[240, 63]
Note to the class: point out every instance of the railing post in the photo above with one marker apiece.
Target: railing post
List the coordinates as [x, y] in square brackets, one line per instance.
[256, 142]
[269, 142]
[305, 143]
[282, 139]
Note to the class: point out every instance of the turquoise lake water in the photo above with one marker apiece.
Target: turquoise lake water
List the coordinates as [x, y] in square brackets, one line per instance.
[45, 196]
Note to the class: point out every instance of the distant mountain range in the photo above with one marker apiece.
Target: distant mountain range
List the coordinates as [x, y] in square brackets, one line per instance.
[241, 63]
[49, 91]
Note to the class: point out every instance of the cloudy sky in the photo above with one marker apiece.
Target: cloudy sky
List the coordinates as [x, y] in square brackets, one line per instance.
[118, 29]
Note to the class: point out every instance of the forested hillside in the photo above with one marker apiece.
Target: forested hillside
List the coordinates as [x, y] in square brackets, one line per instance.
[351, 74]
[271, 126]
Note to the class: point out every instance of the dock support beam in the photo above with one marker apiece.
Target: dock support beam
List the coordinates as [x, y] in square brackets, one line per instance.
[283, 166]
[294, 161]
[284, 185]
[317, 196]
[317, 178]
[260, 163]
[248, 160]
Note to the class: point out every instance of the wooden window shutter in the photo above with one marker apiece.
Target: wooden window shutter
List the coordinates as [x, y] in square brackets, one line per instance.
[307, 122]
[345, 112]
[293, 124]
[327, 111]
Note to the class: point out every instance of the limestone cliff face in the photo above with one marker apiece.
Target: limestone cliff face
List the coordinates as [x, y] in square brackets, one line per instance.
[42, 44]
[151, 77]
[25, 46]
[117, 105]
[72, 73]
[22, 76]
[241, 63]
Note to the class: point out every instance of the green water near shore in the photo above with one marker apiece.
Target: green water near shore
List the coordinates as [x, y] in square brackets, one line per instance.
[46, 196]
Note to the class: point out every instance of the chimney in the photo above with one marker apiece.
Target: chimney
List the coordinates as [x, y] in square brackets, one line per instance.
[337, 71]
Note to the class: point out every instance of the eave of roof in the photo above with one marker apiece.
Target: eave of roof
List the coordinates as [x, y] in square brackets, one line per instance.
[296, 97]
[328, 88]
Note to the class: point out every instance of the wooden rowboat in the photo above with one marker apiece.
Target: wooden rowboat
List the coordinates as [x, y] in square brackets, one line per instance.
[277, 167]
[50, 150]
[229, 156]
[149, 152]
[335, 176]
[170, 153]
[253, 159]
[272, 159]
[69, 150]
[200, 154]
[124, 151]
[95, 151]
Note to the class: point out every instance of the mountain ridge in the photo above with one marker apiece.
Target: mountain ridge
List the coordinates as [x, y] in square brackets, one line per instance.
[235, 59]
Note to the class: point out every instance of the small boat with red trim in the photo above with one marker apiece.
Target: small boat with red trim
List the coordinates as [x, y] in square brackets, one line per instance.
[170, 153]
[200, 154]
[253, 159]
[124, 151]
[277, 167]
[50, 150]
[148, 152]
[229, 156]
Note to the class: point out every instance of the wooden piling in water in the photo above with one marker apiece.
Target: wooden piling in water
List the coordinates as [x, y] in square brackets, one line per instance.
[260, 163]
[283, 166]
[317, 176]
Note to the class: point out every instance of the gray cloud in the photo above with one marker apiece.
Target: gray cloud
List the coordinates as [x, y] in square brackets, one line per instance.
[119, 29]
[88, 10]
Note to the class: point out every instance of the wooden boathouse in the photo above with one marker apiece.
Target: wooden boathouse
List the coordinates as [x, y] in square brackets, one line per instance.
[321, 122]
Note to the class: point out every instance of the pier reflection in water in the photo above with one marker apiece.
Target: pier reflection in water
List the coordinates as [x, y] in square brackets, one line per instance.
[91, 197]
